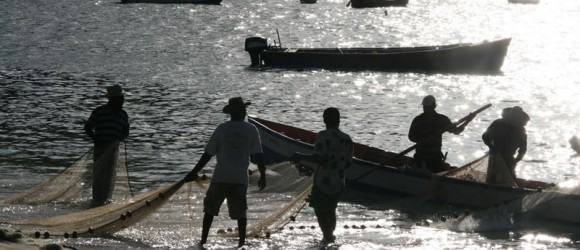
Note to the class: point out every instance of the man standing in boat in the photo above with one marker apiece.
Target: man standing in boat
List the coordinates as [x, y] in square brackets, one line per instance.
[232, 142]
[107, 126]
[333, 152]
[504, 137]
[427, 130]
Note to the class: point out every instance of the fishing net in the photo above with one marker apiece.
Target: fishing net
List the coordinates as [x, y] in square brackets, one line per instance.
[288, 189]
[269, 209]
[549, 201]
[103, 220]
[469, 171]
[73, 184]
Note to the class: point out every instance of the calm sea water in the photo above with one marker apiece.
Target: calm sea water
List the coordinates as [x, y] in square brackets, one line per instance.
[180, 64]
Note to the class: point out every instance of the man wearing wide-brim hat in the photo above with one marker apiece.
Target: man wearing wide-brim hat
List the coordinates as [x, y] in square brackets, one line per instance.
[232, 143]
[107, 126]
[505, 137]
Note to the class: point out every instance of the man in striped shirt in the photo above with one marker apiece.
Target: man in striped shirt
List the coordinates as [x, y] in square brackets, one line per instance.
[107, 126]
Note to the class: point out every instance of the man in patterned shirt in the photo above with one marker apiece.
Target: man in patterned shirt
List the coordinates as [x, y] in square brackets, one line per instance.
[107, 126]
[333, 151]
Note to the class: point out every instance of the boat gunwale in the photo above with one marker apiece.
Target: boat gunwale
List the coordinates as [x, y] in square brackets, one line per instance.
[380, 51]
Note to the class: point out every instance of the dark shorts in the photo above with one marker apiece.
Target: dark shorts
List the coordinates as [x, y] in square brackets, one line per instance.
[236, 195]
[322, 201]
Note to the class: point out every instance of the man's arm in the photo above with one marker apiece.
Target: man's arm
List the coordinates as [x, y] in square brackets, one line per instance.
[192, 175]
[89, 130]
[259, 157]
[488, 135]
[298, 157]
[523, 148]
[413, 132]
[126, 127]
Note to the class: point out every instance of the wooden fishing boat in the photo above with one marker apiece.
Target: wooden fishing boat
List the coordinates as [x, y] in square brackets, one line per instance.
[396, 176]
[378, 3]
[308, 1]
[215, 2]
[524, 1]
[484, 57]
[378, 171]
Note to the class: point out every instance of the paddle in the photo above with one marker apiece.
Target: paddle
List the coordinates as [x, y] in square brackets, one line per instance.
[466, 119]
[472, 114]
[348, 4]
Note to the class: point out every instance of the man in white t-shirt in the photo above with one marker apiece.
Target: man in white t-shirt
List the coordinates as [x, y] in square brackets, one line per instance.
[232, 143]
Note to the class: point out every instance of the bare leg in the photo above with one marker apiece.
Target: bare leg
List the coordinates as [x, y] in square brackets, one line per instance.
[207, 220]
[242, 231]
[327, 223]
[332, 220]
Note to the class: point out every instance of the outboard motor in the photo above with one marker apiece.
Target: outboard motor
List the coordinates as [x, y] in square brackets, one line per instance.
[255, 45]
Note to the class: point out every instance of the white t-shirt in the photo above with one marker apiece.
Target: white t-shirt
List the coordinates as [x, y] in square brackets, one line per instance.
[232, 143]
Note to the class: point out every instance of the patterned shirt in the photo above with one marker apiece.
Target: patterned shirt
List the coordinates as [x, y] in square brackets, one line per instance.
[108, 125]
[335, 150]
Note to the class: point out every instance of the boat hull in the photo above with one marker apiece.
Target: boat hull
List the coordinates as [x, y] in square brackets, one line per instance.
[524, 1]
[210, 2]
[486, 57]
[378, 3]
[279, 147]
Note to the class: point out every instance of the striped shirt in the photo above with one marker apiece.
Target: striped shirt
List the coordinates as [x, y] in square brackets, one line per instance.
[108, 125]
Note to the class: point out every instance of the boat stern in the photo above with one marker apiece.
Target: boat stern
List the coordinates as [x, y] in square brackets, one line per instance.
[255, 45]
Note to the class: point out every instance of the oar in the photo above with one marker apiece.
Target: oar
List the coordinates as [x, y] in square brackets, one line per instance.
[474, 113]
[464, 119]
[348, 4]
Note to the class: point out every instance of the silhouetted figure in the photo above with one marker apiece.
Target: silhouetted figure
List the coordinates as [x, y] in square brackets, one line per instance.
[427, 130]
[575, 144]
[232, 143]
[107, 126]
[504, 137]
[333, 151]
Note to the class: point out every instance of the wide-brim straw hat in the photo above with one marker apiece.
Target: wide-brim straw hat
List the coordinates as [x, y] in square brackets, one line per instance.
[234, 104]
[115, 90]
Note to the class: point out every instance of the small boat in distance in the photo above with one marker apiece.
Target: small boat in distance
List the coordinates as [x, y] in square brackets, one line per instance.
[213, 2]
[308, 1]
[524, 1]
[378, 3]
[485, 57]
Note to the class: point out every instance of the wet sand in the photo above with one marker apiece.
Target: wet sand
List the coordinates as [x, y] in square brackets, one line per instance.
[12, 240]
